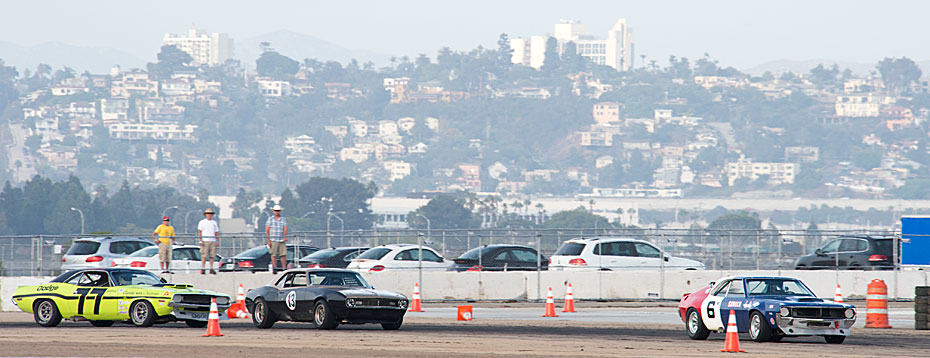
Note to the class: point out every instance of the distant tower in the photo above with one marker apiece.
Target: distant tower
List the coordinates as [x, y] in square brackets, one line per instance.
[205, 49]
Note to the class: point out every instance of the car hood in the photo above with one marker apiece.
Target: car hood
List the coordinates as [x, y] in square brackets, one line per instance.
[172, 288]
[799, 301]
[369, 293]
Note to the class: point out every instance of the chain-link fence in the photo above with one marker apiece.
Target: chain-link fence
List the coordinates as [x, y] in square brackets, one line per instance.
[716, 249]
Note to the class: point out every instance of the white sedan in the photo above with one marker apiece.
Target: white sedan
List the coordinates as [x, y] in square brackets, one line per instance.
[184, 258]
[398, 257]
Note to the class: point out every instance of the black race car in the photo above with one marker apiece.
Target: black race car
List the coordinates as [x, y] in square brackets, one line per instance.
[327, 298]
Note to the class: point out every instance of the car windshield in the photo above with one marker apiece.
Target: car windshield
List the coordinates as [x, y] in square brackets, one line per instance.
[473, 253]
[375, 254]
[83, 248]
[134, 277]
[324, 278]
[146, 252]
[253, 253]
[777, 287]
[570, 249]
[322, 254]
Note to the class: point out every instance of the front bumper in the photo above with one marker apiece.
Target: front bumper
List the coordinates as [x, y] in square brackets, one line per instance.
[791, 326]
[195, 312]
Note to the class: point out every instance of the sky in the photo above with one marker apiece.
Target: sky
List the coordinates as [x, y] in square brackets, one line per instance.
[736, 33]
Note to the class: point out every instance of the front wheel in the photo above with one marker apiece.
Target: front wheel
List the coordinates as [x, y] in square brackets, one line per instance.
[323, 316]
[261, 314]
[759, 329]
[393, 326]
[834, 339]
[46, 313]
[142, 314]
[696, 328]
[101, 323]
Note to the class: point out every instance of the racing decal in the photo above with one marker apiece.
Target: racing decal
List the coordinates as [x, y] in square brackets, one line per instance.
[710, 312]
[291, 300]
[734, 304]
[94, 295]
[49, 288]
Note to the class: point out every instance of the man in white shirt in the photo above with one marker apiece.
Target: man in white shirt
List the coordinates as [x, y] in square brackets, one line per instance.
[209, 232]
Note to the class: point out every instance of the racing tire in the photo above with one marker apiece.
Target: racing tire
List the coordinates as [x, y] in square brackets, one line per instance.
[921, 308]
[323, 316]
[759, 329]
[142, 314]
[195, 324]
[262, 317]
[101, 323]
[834, 339]
[922, 300]
[393, 326]
[922, 291]
[46, 313]
[695, 326]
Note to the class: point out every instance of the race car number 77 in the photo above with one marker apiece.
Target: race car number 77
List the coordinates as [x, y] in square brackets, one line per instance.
[84, 292]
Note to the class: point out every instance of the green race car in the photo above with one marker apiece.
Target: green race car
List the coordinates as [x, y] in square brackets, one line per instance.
[104, 296]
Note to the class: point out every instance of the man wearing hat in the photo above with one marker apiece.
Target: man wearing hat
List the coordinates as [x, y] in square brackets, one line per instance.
[164, 238]
[276, 234]
[209, 232]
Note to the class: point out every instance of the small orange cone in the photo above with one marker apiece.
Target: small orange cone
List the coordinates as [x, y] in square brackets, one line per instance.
[732, 342]
[464, 313]
[238, 310]
[213, 323]
[838, 298]
[415, 305]
[569, 300]
[550, 305]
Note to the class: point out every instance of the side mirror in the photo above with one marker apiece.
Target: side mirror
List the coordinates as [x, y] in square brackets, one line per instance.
[819, 252]
[666, 258]
[712, 283]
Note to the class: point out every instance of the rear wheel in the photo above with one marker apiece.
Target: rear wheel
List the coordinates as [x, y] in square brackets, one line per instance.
[323, 316]
[834, 339]
[261, 314]
[196, 324]
[101, 323]
[46, 313]
[393, 326]
[695, 325]
[142, 314]
[759, 329]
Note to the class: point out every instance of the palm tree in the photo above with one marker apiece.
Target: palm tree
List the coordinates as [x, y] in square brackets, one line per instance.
[526, 206]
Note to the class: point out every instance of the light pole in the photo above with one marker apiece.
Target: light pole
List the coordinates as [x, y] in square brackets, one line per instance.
[82, 218]
[165, 212]
[186, 215]
[329, 216]
[427, 222]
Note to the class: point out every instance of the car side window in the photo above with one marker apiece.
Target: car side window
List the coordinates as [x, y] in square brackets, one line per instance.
[181, 254]
[349, 257]
[430, 256]
[407, 255]
[736, 289]
[524, 256]
[121, 247]
[285, 280]
[830, 247]
[646, 250]
[606, 249]
[94, 279]
[723, 290]
[75, 279]
[502, 256]
[296, 280]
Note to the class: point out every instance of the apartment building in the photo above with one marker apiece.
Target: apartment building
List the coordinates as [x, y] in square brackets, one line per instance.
[205, 48]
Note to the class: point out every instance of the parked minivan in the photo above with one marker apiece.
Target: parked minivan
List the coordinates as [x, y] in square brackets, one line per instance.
[99, 252]
[615, 253]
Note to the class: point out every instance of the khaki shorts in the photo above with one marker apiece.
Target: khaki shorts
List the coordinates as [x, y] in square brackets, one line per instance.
[164, 252]
[208, 249]
[278, 249]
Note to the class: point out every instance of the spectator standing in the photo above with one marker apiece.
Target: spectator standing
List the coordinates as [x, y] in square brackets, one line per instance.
[208, 230]
[164, 238]
[276, 234]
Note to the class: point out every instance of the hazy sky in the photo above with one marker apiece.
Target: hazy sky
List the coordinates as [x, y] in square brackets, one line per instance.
[738, 33]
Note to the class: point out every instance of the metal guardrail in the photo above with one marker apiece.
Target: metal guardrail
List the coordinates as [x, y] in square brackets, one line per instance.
[717, 249]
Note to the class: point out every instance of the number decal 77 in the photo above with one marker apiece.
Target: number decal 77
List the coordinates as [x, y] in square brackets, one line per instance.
[95, 293]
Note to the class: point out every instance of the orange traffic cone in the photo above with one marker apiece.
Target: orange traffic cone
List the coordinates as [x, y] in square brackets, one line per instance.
[838, 298]
[569, 300]
[415, 305]
[550, 305]
[732, 342]
[238, 310]
[213, 323]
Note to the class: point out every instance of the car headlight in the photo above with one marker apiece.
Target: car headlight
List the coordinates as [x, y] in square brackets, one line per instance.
[222, 300]
[351, 302]
[785, 311]
[402, 304]
[850, 313]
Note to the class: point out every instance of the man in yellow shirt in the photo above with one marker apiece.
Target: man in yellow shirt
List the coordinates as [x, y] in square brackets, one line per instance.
[164, 237]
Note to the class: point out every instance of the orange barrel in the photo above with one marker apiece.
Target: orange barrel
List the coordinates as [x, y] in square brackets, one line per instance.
[876, 305]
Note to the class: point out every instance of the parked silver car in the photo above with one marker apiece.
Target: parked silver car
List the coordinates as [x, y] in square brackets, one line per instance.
[99, 252]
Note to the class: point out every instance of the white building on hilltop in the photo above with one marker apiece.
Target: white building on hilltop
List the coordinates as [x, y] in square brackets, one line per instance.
[616, 51]
[206, 49]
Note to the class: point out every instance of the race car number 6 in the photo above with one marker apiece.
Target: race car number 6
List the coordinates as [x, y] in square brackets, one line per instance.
[710, 309]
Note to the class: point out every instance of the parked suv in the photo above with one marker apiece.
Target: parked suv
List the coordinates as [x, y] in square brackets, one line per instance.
[500, 258]
[615, 253]
[855, 253]
[99, 252]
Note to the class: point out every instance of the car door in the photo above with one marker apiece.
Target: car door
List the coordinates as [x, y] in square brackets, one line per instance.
[182, 259]
[710, 308]
[827, 256]
[91, 287]
[295, 296]
[525, 259]
[648, 256]
[605, 256]
[849, 249]
[499, 261]
[735, 300]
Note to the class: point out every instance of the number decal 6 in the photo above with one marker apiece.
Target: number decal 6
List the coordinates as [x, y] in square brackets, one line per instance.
[710, 309]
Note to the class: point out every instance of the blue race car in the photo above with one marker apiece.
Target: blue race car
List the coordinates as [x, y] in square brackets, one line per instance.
[768, 308]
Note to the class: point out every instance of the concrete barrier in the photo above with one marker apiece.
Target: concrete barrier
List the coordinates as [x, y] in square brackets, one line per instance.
[634, 284]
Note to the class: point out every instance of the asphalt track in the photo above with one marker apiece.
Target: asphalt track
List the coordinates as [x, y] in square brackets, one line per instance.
[498, 330]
